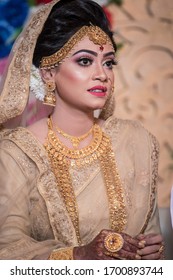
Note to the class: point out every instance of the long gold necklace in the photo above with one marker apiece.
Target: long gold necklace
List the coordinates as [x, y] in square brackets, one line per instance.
[74, 140]
[100, 149]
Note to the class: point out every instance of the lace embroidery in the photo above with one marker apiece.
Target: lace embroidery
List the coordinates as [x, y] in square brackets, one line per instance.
[62, 254]
[82, 178]
[120, 125]
[15, 91]
[59, 219]
[154, 168]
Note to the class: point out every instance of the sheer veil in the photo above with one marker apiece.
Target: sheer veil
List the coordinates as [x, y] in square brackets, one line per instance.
[14, 87]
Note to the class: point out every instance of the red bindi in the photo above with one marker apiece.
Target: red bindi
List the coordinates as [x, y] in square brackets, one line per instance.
[101, 48]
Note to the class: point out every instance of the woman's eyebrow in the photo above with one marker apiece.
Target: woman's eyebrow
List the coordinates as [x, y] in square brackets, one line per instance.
[109, 53]
[94, 53]
[87, 51]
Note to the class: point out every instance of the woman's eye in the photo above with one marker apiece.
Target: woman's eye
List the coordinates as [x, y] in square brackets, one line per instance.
[110, 63]
[84, 61]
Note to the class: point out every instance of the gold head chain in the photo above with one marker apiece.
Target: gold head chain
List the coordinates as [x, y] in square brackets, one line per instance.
[94, 33]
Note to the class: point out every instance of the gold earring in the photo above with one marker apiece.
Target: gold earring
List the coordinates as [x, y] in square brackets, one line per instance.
[49, 98]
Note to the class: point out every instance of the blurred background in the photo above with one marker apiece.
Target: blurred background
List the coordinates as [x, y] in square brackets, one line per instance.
[143, 30]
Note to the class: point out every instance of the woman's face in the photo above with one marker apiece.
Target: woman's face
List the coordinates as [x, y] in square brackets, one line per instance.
[85, 78]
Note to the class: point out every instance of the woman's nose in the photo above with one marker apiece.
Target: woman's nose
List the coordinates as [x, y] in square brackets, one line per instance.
[100, 74]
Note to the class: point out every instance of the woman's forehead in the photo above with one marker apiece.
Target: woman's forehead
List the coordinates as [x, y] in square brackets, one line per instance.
[86, 44]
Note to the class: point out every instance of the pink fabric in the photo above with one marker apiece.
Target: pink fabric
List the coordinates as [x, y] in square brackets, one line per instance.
[36, 111]
[3, 62]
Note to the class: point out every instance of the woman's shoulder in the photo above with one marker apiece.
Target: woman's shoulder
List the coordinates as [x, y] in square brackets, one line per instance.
[131, 130]
[12, 153]
[15, 135]
[11, 134]
[135, 125]
[20, 140]
[24, 148]
[39, 130]
[113, 122]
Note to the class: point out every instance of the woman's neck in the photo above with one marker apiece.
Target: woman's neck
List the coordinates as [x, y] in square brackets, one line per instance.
[75, 123]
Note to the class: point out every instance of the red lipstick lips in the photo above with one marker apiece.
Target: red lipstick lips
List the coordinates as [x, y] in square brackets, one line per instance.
[99, 91]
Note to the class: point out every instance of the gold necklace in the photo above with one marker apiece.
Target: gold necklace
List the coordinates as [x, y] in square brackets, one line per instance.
[100, 149]
[74, 140]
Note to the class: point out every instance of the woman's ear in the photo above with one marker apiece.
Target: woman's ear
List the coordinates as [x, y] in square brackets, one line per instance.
[47, 74]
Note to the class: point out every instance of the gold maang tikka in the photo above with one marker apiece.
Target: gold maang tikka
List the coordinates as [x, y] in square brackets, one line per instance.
[94, 33]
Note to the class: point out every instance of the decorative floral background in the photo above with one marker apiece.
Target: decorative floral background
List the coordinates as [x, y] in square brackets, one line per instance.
[144, 75]
[13, 16]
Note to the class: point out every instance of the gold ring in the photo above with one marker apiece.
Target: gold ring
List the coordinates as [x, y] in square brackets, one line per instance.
[113, 242]
[161, 249]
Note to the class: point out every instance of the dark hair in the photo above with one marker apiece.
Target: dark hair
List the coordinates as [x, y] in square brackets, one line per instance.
[65, 19]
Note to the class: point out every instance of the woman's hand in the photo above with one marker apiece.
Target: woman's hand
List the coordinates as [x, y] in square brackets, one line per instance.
[96, 249]
[154, 247]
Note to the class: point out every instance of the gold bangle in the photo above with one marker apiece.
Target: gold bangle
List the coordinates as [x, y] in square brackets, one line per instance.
[62, 254]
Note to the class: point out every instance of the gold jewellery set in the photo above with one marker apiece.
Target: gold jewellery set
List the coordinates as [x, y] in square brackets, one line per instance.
[74, 140]
[63, 159]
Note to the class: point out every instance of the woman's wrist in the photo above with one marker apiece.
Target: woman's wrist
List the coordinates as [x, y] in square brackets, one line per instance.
[79, 253]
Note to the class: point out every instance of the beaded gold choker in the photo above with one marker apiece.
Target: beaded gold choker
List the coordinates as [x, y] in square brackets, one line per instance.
[94, 33]
[73, 139]
[63, 159]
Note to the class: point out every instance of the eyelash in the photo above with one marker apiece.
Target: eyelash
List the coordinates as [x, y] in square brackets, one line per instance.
[113, 62]
[90, 60]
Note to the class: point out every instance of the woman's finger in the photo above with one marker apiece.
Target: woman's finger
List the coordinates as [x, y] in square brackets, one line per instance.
[151, 239]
